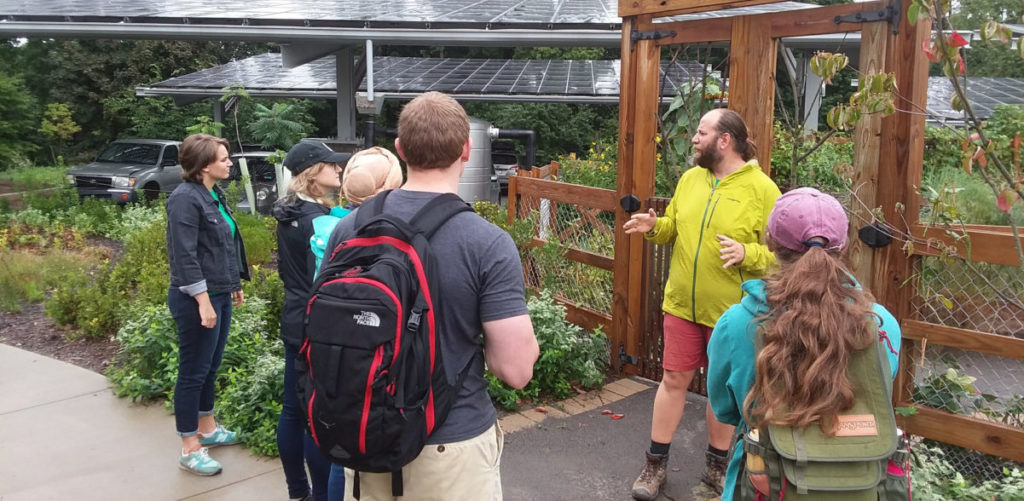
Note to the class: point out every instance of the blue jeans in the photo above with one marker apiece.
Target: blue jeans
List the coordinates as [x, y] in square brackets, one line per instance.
[199, 354]
[294, 444]
[336, 484]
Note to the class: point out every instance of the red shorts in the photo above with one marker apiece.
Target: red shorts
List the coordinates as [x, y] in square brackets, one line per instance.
[685, 345]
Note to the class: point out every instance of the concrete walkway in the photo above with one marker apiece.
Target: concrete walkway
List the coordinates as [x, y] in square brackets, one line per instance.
[64, 435]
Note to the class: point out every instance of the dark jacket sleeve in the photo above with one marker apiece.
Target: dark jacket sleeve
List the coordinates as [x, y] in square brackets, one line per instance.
[182, 244]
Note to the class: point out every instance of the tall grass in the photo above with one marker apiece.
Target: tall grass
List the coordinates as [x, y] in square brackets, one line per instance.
[35, 178]
[27, 276]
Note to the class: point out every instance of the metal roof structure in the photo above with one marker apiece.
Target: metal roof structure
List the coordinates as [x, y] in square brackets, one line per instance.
[983, 93]
[406, 77]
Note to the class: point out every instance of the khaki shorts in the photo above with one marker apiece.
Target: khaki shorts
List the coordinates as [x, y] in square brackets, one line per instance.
[469, 469]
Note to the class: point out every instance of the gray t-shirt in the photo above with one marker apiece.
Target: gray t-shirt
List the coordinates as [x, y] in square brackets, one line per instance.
[482, 280]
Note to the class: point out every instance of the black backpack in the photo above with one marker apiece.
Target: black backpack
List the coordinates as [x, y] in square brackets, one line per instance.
[372, 378]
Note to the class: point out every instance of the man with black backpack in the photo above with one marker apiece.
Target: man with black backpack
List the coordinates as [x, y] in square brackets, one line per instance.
[463, 278]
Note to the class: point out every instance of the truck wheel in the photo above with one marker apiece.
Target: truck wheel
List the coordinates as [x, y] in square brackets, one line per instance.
[150, 192]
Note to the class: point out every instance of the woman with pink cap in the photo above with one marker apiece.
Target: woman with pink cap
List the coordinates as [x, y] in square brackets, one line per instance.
[812, 316]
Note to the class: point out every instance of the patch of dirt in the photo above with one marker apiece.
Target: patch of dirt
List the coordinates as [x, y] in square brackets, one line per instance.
[33, 331]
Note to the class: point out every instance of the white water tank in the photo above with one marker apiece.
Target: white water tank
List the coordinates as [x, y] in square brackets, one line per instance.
[478, 182]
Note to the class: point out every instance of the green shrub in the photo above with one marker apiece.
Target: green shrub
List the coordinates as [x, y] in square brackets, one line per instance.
[35, 178]
[27, 276]
[570, 357]
[251, 401]
[827, 168]
[259, 235]
[250, 376]
[935, 478]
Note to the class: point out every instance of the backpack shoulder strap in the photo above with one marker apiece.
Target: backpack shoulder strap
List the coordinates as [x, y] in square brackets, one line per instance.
[437, 212]
[371, 208]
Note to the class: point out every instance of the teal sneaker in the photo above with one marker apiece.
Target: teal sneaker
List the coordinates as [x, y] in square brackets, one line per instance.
[220, 436]
[200, 463]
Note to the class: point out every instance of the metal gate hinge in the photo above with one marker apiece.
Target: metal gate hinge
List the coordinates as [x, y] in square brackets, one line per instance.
[890, 13]
[649, 35]
[626, 358]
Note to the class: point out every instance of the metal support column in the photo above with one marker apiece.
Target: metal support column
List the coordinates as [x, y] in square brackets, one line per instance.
[346, 95]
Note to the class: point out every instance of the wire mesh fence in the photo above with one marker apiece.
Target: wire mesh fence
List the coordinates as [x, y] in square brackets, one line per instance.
[572, 250]
[981, 297]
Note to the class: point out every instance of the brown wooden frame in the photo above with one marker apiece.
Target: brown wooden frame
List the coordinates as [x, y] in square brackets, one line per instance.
[888, 154]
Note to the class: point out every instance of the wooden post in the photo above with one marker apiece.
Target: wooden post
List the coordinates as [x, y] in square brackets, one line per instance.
[624, 184]
[638, 109]
[865, 157]
[901, 153]
[752, 57]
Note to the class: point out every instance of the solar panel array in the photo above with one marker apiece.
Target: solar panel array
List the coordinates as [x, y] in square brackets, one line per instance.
[417, 75]
[543, 14]
[984, 94]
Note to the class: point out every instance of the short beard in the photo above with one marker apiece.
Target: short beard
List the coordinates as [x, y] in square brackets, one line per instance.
[708, 158]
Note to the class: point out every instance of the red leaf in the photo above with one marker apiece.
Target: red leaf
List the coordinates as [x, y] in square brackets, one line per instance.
[618, 416]
[960, 63]
[542, 410]
[929, 51]
[956, 40]
[1004, 200]
[606, 412]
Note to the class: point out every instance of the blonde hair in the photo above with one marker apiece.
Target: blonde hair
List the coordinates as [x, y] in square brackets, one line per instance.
[432, 130]
[369, 172]
[305, 184]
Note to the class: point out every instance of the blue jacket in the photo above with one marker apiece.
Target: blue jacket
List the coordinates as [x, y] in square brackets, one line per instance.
[202, 253]
[731, 363]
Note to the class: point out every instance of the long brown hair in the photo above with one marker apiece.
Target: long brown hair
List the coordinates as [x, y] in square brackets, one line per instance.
[818, 316]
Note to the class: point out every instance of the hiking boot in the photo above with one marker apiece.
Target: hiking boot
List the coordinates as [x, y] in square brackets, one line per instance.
[651, 478]
[714, 471]
[219, 436]
[199, 462]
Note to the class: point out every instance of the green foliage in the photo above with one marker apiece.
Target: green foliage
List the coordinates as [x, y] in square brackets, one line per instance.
[27, 276]
[35, 178]
[828, 168]
[597, 168]
[152, 117]
[18, 119]
[258, 234]
[251, 401]
[251, 377]
[569, 357]
[279, 126]
[522, 230]
[204, 125]
[936, 478]
[58, 126]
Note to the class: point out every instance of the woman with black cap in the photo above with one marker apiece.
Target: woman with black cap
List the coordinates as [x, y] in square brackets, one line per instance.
[316, 179]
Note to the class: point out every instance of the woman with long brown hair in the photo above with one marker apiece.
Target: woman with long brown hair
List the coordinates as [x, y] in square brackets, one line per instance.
[812, 316]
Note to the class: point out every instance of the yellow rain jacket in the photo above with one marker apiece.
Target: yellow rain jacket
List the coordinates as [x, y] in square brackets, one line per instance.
[698, 288]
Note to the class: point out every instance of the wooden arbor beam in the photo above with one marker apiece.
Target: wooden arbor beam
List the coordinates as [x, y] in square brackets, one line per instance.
[662, 8]
[752, 57]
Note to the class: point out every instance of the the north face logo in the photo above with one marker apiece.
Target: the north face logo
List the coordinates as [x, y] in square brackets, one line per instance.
[367, 318]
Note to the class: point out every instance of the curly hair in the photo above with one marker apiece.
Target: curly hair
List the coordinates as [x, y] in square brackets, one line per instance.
[818, 316]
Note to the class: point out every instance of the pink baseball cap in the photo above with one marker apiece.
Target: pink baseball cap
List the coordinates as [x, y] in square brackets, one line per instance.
[804, 213]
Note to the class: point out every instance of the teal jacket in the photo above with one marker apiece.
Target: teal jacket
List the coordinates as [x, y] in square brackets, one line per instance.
[323, 226]
[731, 363]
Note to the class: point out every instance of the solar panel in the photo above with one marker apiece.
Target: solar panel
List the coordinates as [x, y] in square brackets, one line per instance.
[417, 75]
[984, 94]
[545, 14]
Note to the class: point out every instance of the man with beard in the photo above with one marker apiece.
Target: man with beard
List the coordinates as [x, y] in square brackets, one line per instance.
[716, 221]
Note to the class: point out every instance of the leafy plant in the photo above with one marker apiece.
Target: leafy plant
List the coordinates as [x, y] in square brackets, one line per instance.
[59, 127]
[570, 357]
[205, 125]
[935, 478]
[279, 126]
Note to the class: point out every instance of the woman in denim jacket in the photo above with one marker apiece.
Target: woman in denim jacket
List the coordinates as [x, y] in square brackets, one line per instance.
[207, 261]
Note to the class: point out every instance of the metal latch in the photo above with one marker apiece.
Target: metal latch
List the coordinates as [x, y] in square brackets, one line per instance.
[890, 13]
[626, 358]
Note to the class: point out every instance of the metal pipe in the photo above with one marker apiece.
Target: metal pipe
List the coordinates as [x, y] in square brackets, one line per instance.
[611, 37]
[529, 137]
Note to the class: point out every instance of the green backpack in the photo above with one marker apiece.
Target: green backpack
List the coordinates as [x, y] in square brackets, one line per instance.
[866, 460]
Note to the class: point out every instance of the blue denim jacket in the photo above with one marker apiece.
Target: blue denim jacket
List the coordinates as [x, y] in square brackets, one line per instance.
[202, 254]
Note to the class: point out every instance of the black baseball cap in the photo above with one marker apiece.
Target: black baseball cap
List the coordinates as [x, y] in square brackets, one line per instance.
[306, 154]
